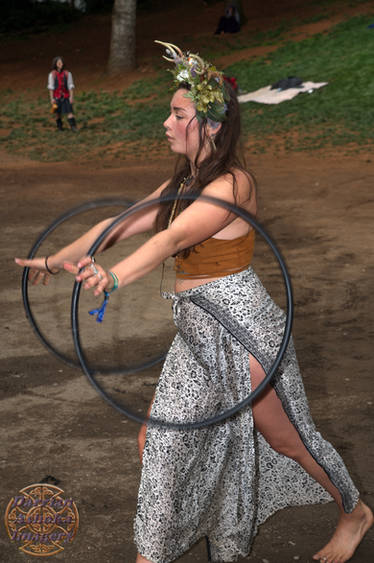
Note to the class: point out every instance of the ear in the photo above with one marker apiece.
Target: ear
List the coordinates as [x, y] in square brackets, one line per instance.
[213, 127]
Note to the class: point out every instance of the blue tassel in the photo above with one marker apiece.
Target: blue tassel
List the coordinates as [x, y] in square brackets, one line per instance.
[101, 310]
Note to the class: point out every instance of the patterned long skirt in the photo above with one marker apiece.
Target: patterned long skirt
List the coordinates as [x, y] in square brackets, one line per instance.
[222, 481]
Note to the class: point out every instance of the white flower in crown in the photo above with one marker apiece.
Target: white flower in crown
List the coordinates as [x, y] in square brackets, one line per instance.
[206, 84]
[183, 75]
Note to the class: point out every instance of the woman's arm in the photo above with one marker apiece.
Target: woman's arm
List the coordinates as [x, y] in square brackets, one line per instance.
[71, 87]
[196, 223]
[50, 86]
[136, 223]
[139, 222]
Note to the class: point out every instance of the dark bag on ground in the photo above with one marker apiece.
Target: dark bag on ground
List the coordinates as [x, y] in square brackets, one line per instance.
[285, 83]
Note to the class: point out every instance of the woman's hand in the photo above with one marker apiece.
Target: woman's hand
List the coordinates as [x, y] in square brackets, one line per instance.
[93, 275]
[38, 269]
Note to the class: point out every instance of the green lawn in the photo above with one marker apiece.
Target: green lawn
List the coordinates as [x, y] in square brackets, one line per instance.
[340, 113]
[130, 121]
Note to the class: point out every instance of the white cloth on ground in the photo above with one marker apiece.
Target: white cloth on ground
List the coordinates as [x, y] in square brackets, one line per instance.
[268, 96]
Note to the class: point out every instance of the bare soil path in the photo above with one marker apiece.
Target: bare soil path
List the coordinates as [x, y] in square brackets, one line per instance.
[318, 209]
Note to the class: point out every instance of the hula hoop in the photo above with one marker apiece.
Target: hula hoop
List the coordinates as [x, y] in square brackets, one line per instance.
[282, 348]
[25, 293]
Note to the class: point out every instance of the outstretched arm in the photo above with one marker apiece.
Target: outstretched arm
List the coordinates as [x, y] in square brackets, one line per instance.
[198, 222]
[136, 223]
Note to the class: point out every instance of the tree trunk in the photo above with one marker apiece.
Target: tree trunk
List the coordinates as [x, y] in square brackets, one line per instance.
[122, 43]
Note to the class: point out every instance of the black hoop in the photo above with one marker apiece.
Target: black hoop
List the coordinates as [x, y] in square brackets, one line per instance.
[25, 294]
[286, 335]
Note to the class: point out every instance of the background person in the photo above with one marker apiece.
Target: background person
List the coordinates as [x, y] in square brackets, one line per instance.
[229, 22]
[61, 93]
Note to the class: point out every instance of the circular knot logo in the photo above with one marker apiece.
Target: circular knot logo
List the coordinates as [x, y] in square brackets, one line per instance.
[41, 520]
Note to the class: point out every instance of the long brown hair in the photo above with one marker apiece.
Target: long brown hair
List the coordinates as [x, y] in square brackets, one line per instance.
[219, 162]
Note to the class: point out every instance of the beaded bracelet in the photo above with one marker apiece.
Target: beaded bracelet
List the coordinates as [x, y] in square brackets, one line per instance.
[48, 269]
[115, 280]
[99, 312]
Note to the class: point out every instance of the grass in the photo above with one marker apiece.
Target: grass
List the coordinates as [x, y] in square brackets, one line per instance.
[340, 113]
[105, 119]
[212, 47]
[129, 122]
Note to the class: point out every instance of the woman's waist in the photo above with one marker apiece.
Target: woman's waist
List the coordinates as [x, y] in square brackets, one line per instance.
[187, 284]
[238, 302]
[215, 258]
[243, 287]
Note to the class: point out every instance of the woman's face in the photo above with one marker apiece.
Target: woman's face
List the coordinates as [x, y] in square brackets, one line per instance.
[59, 64]
[182, 126]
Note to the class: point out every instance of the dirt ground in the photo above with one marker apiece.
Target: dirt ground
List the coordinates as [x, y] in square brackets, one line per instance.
[318, 207]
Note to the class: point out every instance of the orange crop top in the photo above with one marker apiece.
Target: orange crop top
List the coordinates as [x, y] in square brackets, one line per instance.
[216, 257]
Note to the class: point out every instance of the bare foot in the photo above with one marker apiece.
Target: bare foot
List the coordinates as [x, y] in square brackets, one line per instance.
[348, 534]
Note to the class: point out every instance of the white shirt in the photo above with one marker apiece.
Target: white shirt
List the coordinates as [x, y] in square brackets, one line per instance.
[51, 81]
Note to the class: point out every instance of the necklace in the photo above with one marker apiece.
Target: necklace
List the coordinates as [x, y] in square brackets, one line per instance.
[174, 211]
[184, 184]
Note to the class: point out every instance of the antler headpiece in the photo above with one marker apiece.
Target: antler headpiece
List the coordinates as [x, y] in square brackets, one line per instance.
[207, 85]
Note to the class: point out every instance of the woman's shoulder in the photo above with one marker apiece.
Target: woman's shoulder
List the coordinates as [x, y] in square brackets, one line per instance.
[244, 176]
[238, 180]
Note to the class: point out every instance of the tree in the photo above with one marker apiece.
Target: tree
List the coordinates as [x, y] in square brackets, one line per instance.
[122, 43]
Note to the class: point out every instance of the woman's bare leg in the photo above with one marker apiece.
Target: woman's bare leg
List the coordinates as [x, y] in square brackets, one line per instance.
[141, 559]
[273, 423]
[143, 432]
[141, 441]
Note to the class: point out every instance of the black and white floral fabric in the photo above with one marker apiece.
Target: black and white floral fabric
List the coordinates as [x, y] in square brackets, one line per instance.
[224, 480]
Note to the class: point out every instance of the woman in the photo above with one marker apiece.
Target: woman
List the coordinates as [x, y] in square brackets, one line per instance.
[221, 481]
[61, 93]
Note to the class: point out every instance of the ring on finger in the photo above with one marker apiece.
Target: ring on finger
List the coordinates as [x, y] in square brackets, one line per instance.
[94, 269]
[99, 276]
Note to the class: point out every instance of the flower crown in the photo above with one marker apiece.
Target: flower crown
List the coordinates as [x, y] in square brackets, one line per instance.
[208, 91]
